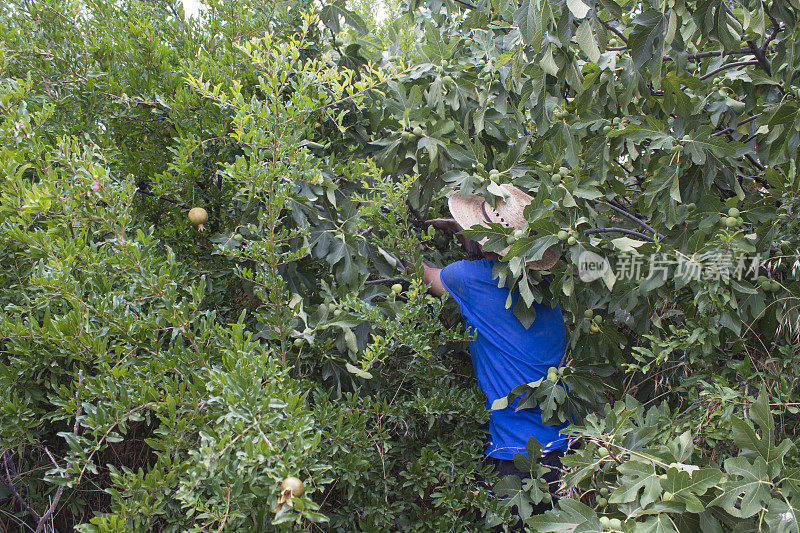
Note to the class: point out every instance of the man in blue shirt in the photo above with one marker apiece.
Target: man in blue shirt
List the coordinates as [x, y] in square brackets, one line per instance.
[504, 353]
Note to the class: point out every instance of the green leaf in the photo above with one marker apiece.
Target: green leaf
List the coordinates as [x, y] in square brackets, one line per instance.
[530, 20]
[660, 523]
[510, 487]
[357, 371]
[686, 488]
[783, 516]
[570, 516]
[579, 9]
[763, 445]
[750, 488]
[636, 476]
[585, 38]
[626, 244]
[547, 62]
[500, 403]
[330, 14]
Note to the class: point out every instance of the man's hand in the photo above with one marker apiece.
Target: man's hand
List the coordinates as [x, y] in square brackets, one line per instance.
[448, 225]
[433, 277]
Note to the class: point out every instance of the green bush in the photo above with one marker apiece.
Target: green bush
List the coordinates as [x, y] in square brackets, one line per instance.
[158, 377]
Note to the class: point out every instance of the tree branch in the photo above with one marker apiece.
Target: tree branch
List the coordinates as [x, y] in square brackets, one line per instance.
[383, 281]
[56, 498]
[729, 130]
[60, 490]
[615, 31]
[467, 4]
[10, 485]
[755, 163]
[639, 221]
[619, 230]
[716, 53]
[761, 57]
[729, 65]
[776, 26]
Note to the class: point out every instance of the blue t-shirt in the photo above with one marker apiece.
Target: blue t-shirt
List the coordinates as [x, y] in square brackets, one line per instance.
[505, 354]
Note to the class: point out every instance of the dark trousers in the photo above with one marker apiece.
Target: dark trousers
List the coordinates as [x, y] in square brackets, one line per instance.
[506, 467]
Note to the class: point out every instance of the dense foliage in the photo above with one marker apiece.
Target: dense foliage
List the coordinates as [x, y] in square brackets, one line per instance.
[158, 377]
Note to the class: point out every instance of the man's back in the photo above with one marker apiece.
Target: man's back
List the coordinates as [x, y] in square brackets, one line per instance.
[505, 354]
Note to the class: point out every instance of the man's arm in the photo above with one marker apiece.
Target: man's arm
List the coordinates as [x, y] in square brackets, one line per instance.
[433, 277]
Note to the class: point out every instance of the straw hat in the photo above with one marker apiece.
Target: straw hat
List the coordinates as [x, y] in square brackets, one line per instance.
[475, 210]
